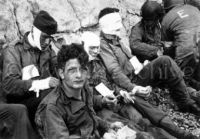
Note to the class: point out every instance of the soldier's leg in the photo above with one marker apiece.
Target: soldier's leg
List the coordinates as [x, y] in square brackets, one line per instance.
[14, 122]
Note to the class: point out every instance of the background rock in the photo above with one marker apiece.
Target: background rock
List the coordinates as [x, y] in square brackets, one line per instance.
[73, 16]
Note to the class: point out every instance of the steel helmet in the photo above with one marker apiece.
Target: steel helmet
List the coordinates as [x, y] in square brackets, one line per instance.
[152, 10]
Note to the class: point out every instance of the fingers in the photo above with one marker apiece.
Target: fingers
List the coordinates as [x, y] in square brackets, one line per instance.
[128, 99]
[36, 90]
[117, 125]
[53, 82]
[111, 96]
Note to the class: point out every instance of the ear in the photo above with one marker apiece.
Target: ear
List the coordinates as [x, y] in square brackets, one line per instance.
[61, 73]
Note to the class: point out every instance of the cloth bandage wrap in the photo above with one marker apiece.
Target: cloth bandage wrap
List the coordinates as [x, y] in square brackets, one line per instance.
[36, 35]
[110, 23]
[90, 39]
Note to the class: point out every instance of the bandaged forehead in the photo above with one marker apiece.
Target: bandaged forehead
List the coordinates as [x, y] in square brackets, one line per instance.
[109, 19]
[90, 39]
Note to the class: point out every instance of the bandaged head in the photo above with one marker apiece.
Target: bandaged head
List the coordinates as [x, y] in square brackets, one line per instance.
[110, 21]
[44, 26]
[91, 44]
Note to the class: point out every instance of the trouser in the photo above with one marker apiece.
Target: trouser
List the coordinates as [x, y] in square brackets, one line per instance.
[191, 69]
[31, 102]
[14, 122]
[160, 119]
[139, 124]
[163, 72]
[146, 117]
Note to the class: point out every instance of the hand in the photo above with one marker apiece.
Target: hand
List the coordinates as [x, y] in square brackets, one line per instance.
[43, 84]
[146, 62]
[110, 135]
[53, 82]
[110, 101]
[142, 91]
[74, 137]
[127, 97]
[160, 52]
[116, 125]
[167, 44]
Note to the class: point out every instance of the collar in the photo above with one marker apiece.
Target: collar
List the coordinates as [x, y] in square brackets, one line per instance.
[113, 39]
[25, 41]
[74, 104]
[28, 46]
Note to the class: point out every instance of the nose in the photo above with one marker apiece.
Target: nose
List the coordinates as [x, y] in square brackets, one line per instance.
[47, 41]
[79, 73]
[96, 50]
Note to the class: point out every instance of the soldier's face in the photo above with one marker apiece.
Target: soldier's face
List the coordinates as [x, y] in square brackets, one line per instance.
[74, 75]
[94, 51]
[45, 40]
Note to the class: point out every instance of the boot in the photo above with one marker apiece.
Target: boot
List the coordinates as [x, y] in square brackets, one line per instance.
[180, 95]
[174, 130]
[195, 95]
[194, 108]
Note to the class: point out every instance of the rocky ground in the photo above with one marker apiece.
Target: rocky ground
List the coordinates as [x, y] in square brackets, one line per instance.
[185, 121]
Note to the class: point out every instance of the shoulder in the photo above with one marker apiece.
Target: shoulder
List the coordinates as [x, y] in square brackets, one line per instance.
[14, 47]
[51, 98]
[137, 25]
[138, 28]
[48, 102]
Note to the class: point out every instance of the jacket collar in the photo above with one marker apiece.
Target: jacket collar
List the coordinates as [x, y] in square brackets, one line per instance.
[25, 42]
[28, 46]
[74, 104]
[113, 39]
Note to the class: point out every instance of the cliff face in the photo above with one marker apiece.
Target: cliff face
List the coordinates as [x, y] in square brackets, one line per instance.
[73, 16]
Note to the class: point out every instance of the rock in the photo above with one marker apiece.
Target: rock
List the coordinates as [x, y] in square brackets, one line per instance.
[8, 27]
[61, 10]
[72, 15]
[24, 18]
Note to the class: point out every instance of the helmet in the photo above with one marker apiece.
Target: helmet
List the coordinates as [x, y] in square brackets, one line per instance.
[151, 10]
[168, 4]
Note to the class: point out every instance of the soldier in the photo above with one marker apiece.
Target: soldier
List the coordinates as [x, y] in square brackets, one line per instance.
[29, 65]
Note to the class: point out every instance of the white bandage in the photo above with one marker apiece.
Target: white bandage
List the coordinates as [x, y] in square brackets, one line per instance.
[110, 23]
[34, 38]
[38, 85]
[36, 35]
[136, 64]
[90, 39]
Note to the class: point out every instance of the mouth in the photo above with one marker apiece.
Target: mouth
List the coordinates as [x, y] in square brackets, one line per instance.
[94, 55]
[79, 81]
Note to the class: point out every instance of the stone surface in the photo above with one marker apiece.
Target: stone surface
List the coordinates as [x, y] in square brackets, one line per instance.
[73, 16]
[8, 27]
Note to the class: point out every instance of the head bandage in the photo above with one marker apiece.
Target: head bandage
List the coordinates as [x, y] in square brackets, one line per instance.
[36, 35]
[110, 23]
[90, 39]
[34, 38]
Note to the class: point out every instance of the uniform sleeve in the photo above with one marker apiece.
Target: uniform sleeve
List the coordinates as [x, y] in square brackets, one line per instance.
[53, 64]
[54, 125]
[97, 102]
[114, 68]
[12, 76]
[138, 47]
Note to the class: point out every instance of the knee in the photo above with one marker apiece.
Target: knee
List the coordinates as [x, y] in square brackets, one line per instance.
[19, 107]
[131, 113]
[165, 59]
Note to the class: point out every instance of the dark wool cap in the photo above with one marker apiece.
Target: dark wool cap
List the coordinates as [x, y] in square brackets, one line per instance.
[106, 11]
[45, 23]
